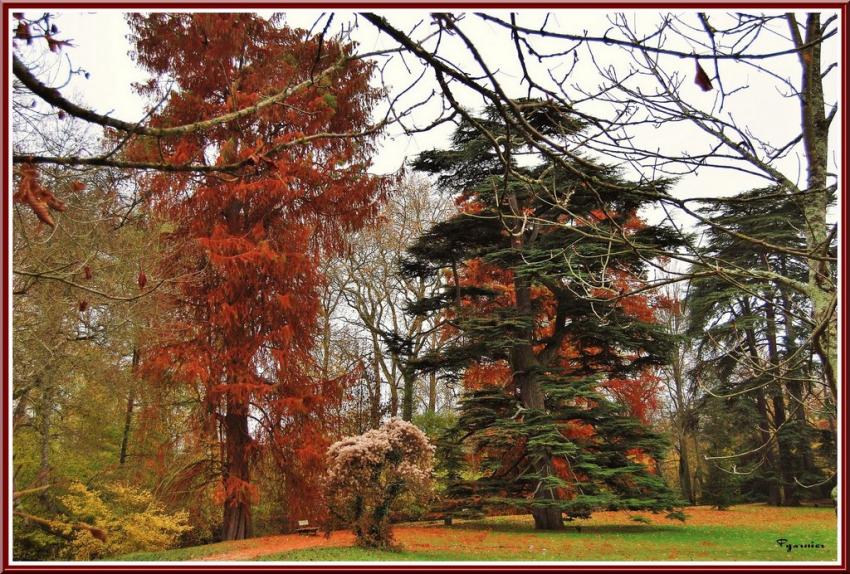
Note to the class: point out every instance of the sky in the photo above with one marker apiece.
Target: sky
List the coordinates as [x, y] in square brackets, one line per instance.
[101, 48]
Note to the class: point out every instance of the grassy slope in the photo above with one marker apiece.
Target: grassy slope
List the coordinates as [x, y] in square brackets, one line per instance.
[742, 533]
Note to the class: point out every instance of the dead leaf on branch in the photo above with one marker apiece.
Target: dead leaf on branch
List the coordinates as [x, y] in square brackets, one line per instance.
[31, 192]
[702, 79]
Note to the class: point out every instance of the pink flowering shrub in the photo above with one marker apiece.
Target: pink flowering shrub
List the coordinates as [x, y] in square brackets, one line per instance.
[370, 473]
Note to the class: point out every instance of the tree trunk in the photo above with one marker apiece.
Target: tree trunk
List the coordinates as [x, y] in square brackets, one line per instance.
[531, 393]
[125, 434]
[375, 392]
[432, 393]
[786, 460]
[128, 415]
[45, 423]
[48, 396]
[796, 400]
[815, 205]
[698, 469]
[407, 396]
[237, 504]
[682, 422]
[775, 494]
[685, 469]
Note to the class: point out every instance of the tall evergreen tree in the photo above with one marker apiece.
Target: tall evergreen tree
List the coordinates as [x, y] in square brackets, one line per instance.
[753, 335]
[540, 319]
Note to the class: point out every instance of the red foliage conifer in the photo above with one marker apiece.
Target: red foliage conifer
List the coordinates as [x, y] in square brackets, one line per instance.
[247, 240]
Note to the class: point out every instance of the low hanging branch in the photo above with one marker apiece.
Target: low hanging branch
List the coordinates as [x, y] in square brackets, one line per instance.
[27, 491]
[62, 529]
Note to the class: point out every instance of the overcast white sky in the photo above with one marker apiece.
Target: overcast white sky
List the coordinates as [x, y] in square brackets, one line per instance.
[101, 48]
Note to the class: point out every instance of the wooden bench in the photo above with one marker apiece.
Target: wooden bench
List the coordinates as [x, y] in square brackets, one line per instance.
[305, 528]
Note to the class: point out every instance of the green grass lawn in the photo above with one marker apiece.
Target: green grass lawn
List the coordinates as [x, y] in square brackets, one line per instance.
[743, 533]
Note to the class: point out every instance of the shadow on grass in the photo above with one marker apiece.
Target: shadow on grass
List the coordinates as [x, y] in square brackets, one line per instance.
[569, 528]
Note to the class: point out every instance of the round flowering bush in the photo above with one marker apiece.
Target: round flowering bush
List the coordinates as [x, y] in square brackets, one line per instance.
[370, 473]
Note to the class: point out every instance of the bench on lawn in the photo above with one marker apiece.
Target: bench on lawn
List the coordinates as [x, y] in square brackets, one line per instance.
[305, 528]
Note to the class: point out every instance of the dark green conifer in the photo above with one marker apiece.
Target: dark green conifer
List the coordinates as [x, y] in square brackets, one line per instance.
[549, 439]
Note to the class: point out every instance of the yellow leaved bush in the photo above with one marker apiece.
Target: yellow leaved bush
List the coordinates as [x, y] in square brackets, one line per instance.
[131, 517]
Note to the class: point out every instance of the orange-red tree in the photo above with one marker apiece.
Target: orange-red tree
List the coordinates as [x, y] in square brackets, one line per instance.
[245, 242]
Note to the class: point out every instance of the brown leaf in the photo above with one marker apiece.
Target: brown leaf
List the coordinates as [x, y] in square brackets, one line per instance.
[52, 201]
[143, 279]
[98, 533]
[30, 191]
[702, 79]
[23, 32]
[83, 305]
[56, 45]
[87, 273]
[41, 211]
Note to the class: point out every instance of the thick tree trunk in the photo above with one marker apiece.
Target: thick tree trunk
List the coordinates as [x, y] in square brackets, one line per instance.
[682, 424]
[548, 519]
[432, 393]
[698, 469]
[531, 393]
[237, 505]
